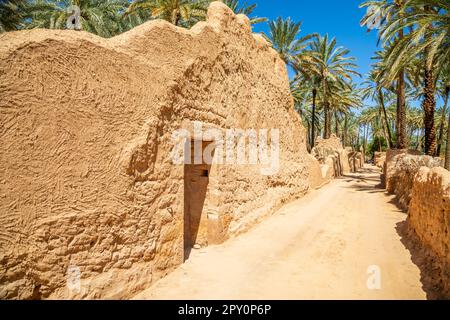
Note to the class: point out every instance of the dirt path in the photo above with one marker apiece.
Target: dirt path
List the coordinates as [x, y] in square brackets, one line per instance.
[319, 247]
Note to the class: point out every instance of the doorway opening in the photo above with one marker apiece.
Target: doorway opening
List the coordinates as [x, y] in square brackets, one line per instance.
[196, 180]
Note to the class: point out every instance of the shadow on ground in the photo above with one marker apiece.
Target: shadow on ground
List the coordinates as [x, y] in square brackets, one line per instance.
[363, 182]
[424, 259]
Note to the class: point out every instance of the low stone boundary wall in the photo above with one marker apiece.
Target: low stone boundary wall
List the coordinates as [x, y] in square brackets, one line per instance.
[422, 187]
[400, 173]
[429, 218]
[334, 159]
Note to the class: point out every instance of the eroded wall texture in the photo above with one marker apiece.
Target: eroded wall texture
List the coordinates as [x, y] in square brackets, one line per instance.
[402, 168]
[429, 218]
[422, 188]
[87, 183]
[334, 159]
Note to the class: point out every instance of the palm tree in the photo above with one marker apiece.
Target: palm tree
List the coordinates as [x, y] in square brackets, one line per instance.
[244, 9]
[129, 20]
[299, 93]
[293, 50]
[314, 82]
[343, 101]
[429, 99]
[16, 14]
[373, 89]
[373, 118]
[284, 37]
[335, 69]
[429, 39]
[183, 13]
[50, 15]
[447, 151]
[388, 11]
[444, 88]
[309, 82]
[353, 131]
[306, 94]
[414, 120]
[310, 117]
[101, 17]
[11, 15]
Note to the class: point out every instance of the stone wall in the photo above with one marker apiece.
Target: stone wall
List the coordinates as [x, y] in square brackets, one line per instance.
[379, 159]
[336, 160]
[87, 183]
[333, 142]
[355, 160]
[389, 163]
[422, 187]
[402, 169]
[429, 218]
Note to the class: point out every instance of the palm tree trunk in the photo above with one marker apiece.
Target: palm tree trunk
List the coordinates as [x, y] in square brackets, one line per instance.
[308, 137]
[358, 137]
[388, 128]
[175, 17]
[327, 125]
[429, 101]
[326, 110]
[401, 111]
[429, 105]
[366, 131]
[447, 152]
[421, 138]
[313, 120]
[329, 121]
[345, 130]
[442, 122]
[401, 101]
[418, 139]
[385, 135]
[336, 120]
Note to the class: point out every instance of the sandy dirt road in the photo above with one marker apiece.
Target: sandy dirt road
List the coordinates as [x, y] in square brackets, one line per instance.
[319, 247]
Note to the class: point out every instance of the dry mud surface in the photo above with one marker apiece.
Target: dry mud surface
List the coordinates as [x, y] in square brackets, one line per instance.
[318, 247]
[87, 180]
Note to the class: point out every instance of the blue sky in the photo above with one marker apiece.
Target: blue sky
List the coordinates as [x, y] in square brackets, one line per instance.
[338, 18]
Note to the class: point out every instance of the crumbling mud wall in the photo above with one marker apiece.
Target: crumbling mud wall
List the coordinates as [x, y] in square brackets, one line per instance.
[389, 164]
[333, 142]
[355, 159]
[88, 189]
[379, 159]
[335, 160]
[429, 219]
[402, 170]
[422, 188]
